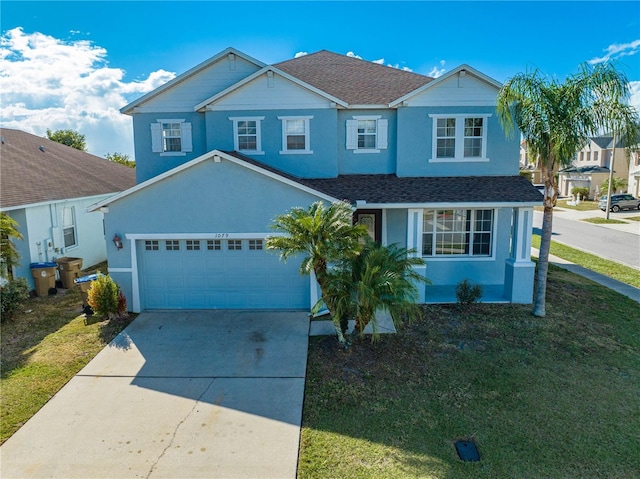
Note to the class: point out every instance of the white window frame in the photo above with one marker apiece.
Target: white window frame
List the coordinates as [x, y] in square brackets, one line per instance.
[459, 137]
[467, 256]
[307, 146]
[381, 134]
[236, 143]
[69, 212]
[157, 137]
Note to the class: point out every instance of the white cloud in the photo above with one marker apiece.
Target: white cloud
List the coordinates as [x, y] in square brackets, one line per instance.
[353, 55]
[437, 71]
[379, 62]
[48, 83]
[617, 50]
[300, 54]
[634, 100]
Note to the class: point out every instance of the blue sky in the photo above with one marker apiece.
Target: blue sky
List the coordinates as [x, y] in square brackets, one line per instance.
[74, 64]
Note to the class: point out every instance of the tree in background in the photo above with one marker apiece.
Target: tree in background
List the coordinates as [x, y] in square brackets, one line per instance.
[556, 120]
[68, 137]
[121, 158]
[9, 255]
[617, 183]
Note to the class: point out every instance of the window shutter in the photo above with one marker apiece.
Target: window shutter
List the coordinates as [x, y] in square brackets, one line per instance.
[156, 137]
[352, 134]
[381, 141]
[187, 142]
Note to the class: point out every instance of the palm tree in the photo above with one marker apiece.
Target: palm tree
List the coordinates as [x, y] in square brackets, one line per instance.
[9, 255]
[556, 120]
[379, 278]
[323, 235]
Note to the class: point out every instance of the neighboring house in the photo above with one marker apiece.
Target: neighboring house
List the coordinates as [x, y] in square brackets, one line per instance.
[529, 164]
[46, 187]
[225, 147]
[633, 185]
[592, 164]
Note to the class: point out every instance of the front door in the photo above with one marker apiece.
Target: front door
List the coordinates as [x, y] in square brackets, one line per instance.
[372, 219]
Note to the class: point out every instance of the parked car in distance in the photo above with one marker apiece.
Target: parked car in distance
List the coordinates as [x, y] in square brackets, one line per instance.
[622, 201]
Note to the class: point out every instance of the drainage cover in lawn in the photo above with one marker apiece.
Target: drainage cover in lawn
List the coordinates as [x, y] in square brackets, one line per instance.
[467, 451]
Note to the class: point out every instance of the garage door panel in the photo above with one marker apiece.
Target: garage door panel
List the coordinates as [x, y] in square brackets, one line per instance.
[219, 278]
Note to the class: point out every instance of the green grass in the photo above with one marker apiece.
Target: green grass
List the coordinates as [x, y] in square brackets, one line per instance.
[42, 349]
[632, 218]
[583, 206]
[543, 398]
[604, 221]
[595, 263]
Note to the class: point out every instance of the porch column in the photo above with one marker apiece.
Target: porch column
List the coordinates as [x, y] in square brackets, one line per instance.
[414, 241]
[519, 269]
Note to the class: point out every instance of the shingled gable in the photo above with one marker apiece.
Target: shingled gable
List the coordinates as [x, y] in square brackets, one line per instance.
[37, 170]
[128, 109]
[356, 81]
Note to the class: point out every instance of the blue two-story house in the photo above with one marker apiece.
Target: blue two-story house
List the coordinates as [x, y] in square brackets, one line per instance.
[228, 145]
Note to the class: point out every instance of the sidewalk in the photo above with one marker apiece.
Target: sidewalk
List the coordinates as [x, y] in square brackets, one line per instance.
[622, 288]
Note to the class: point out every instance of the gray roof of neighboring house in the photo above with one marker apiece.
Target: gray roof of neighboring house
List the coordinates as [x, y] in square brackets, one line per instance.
[585, 169]
[30, 174]
[356, 81]
[378, 188]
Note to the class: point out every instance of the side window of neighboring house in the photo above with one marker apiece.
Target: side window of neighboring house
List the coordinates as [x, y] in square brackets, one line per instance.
[171, 137]
[69, 227]
[459, 138]
[595, 156]
[367, 134]
[295, 135]
[247, 134]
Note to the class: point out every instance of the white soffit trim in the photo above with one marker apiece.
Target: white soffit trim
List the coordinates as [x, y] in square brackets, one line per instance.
[494, 83]
[200, 159]
[128, 109]
[261, 72]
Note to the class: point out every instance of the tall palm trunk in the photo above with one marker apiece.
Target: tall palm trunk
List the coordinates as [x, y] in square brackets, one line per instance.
[550, 198]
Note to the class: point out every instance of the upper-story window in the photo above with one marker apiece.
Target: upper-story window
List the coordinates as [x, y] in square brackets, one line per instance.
[171, 137]
[295, 135]
[367, 134]
[247, 134]
[459, 138]
[457, 232]
[595, 156]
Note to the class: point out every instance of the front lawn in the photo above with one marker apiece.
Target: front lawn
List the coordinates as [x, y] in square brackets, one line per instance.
[42, 349]
[595, 263]
[542, 398]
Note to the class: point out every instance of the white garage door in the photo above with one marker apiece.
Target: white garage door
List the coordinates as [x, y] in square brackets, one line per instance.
[218, 274]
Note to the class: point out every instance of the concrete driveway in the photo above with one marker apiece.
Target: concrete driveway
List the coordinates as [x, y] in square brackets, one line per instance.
[208, 394]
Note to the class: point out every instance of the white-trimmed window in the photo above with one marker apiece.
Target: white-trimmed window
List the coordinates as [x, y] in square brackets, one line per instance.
[69, 227]
[295, 135]
[460, 232]
[247, 135]
[367, 134]
[171, 137]
[459, 138]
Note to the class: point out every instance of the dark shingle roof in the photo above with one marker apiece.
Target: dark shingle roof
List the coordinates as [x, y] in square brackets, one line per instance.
[450, 189]
[358, 82]
[394, 189]
[29, 175]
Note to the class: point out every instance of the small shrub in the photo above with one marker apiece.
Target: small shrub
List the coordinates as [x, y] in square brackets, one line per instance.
[580, 191]
[103, 296]
[122, 305]
[12, 297]
[468, 293]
